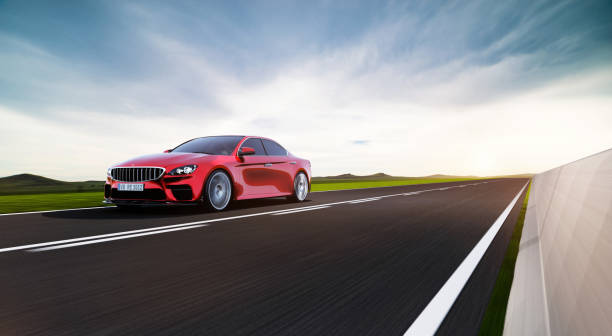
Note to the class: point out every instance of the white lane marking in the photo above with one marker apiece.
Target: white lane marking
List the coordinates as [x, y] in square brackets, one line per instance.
[366, 199]
[95, 241]
[431, 317]
[36, 245]
[300, 210]
[29, 246]
[60, 210]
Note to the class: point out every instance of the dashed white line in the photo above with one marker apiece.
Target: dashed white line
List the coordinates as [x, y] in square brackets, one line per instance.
[431, 317]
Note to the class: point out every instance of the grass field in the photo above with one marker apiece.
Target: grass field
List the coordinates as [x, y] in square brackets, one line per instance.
[495, 315]
[37, 202]
[56, 201]
[28, 184]
[356, 184]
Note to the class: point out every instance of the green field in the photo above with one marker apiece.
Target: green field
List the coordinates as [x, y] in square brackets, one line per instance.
[356, 184]
[56, 201]
[27, 184]
[495, 315]
[37, 202]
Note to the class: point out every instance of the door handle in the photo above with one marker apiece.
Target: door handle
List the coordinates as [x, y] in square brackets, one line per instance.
[267, 165]
[292, 162]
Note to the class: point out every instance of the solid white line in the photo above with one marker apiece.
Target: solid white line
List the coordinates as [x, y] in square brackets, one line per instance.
[431, 317]
[25, 247]
[300, 210]
[60, 210]
[29, 246]
[55, 247]
[37, 245]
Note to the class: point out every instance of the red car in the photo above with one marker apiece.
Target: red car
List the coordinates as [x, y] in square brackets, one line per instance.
[210, 171]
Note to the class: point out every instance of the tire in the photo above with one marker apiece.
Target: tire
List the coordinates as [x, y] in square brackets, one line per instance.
[217, 191]
[300, 188]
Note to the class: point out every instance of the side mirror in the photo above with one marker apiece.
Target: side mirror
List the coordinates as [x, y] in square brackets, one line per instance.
[168, 151]
[246, 151]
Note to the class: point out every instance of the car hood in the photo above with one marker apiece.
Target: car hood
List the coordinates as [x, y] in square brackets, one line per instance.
[164, 159]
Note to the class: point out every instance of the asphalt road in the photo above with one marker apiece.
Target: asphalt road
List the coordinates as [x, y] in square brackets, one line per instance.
[367, 267]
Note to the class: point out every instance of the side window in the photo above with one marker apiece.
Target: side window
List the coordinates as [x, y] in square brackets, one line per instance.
[254, 143]
[272, 148]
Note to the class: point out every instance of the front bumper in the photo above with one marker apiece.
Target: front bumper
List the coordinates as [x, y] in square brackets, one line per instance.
[147, 203]
[166, 190]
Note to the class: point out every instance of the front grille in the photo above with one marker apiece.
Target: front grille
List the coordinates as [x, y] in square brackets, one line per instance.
[147, 194]
[136, 174]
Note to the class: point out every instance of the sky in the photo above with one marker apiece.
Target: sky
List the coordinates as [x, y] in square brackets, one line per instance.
[409, 88]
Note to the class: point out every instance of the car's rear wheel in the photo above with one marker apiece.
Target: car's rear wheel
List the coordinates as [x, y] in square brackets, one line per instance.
[217, 191]
[300, 187]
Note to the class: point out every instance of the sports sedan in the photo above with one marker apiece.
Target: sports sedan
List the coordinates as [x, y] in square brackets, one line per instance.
[211, 171]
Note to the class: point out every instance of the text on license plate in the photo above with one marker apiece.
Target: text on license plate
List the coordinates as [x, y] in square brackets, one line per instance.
[131, 187]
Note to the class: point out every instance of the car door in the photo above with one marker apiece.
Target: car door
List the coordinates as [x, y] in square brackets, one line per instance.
[280, 167]
[254, 170]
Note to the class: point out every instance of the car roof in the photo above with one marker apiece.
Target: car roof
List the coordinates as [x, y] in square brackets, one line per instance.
[240, 135]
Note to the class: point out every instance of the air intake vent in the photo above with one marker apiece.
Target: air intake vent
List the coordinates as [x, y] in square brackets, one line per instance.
[137, 174]
[182, 192]
[147, 194]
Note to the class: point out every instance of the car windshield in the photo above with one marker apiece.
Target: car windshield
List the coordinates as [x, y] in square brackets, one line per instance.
[215, 145]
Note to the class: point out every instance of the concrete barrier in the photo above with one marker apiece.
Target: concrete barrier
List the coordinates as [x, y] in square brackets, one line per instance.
[563, 276]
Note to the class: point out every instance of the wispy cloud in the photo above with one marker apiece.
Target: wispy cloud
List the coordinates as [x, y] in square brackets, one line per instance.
[476, 88]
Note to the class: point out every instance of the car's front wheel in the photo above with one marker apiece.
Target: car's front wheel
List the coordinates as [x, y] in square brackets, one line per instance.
[300, 187]
[217, 191]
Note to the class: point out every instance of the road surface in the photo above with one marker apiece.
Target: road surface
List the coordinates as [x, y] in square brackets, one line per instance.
[354, 262]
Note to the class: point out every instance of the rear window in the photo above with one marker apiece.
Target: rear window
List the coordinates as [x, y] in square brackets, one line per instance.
[272, 148]
[215, 145]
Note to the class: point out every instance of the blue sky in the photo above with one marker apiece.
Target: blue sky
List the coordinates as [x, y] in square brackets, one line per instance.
[458, 87]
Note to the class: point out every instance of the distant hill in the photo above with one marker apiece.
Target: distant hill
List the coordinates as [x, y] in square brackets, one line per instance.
[377, 176]
[442, 176]
[516, 176]
[385, 177]
[380, 177]
[34, 184]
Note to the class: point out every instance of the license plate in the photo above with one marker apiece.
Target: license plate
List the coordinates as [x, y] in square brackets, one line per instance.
[131, 187]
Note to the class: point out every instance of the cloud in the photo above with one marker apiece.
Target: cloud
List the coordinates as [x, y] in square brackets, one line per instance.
[484, 88]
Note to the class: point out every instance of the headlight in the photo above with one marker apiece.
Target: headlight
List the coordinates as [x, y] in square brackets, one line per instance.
[184, 170]
[108, 172]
